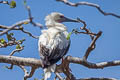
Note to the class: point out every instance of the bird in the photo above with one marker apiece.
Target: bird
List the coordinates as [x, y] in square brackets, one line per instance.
[53, 43]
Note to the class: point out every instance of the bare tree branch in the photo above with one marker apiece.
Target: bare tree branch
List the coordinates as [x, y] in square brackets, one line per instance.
[30, 34]
[4, 2]
[16, 50]
[19, 28]
[11, 66]
[38, 63]
[97, 79]
[30, 16]
[100, 65]
[89, 4]
[91, 47]
[27, 74]
[58, 75]
[20, 61]
[13, 26]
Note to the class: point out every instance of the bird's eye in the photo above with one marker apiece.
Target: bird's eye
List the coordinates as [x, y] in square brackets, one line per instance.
[61, 16]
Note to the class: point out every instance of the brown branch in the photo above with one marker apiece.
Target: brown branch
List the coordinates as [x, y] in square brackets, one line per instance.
[20, 61]
[97, 79]
[38, 63]
[28, 75]
[91, 47]
[100, 65]
[30, 16]
[13, 26]
[88, 4]
[4, 2]
[30, 34]
[58, 76]
[19, 28]
[11, 66]
[16, 50]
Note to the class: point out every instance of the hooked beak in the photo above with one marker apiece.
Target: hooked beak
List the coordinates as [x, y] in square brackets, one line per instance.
[65, 19]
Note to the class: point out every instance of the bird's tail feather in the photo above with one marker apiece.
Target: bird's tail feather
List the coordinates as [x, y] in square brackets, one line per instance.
[47, 71]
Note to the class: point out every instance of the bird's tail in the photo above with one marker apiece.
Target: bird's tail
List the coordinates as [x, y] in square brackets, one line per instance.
[47, 71]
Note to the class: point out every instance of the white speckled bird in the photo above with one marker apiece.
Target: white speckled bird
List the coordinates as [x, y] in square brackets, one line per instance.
[53, 43]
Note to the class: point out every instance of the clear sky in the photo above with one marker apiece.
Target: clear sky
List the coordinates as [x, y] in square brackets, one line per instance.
[107, 47]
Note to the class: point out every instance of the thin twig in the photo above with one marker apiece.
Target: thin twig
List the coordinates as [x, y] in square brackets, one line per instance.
[36, 37]
[30, 74]
[89, 4]
[16, 50]
[92, 46]
[13, 26]
[31, 18]
[97, 79]
[4, 2]
[11, 66]
[58, 75]
[19, 28]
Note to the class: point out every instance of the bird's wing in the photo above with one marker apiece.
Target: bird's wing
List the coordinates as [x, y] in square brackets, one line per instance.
[53, 49]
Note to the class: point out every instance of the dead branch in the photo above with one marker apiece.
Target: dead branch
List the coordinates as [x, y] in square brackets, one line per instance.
[13, 26]
[16, 50]
[97, 79]
[27, 74]
[30, 16]
[4, 2]
[38, 63]
[87, 64]
[20, 61]
[18, 28]
[91, 47]
[88, 4]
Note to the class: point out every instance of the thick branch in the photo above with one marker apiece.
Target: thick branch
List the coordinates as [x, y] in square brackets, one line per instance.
[100, 65]
[20, 61]
[89, 4]
[38, 63]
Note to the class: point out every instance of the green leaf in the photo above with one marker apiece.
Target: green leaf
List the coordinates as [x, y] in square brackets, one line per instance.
[25, 2]
[21, 41]
[18, 46]
[2, 41]
[9, 36]
[12, 4]
[26, 22]
[35, 79]
[68, 36]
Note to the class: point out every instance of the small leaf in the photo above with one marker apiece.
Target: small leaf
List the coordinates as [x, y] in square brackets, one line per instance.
[12, 4]
[68, 36]
[9, 36]
[26, 22]
[35, 79]
[2, 41]
[21, 41]
[25, 2]
[18, 46]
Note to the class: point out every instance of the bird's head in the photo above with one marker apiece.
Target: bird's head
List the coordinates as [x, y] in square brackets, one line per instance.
[58, 17]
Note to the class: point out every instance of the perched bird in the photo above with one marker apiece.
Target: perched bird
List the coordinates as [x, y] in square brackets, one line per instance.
[53, 43]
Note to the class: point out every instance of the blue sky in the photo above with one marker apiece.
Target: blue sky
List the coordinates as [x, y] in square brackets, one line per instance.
[107, 46]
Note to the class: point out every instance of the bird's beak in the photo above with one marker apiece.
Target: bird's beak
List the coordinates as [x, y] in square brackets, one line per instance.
[65, 19]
